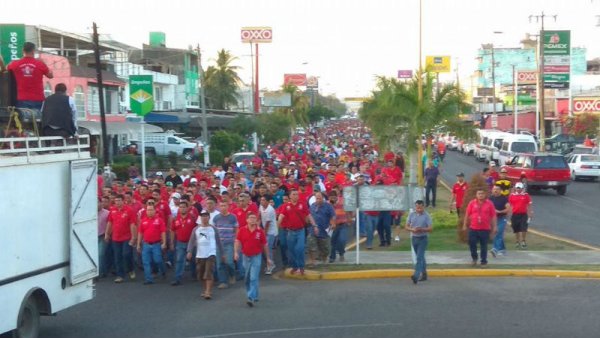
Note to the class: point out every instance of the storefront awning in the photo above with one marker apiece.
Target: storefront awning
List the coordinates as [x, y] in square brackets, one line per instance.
[115, 128]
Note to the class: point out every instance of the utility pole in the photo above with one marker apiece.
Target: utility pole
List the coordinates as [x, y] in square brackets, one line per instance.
[541, 95]
[493, 82]
[419, 175]
[203, 108]
[100, 95]
[515, 98]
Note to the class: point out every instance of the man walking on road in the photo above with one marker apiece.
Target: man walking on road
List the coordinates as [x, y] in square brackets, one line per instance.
[431, 180]
[480, 218]
[502, 209]
[318, 240]
[520, 202]
[205, 239]
[419, 224]
[151, 241]
[252, 242]
[295, 215]
[458, 193]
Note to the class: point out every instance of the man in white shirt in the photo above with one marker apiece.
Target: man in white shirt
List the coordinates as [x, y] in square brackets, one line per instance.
[205, 238]
[268, 221]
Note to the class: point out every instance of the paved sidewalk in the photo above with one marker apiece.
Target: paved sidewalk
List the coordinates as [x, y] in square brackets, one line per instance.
[583, 257]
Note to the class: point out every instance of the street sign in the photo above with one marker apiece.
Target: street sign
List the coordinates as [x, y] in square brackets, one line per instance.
[437, 64]
[12, 38]
[256, 34]
[556, 77]
[376, 198]
[564, 69]
[141, 100]
[494, 120]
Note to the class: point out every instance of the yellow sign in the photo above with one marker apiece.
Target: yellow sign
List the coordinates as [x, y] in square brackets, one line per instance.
[437, 64]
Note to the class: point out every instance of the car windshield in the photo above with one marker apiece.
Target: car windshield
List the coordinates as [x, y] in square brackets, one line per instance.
[583, 150]
[523, 147]
[550, 162]
[242, 157]
[590, 158]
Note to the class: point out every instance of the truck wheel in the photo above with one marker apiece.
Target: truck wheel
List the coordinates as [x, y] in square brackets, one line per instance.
[188, 155]
[29, 320]
[561, 190]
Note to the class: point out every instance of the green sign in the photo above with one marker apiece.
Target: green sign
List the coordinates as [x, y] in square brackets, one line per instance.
[557, 42]
[556, 77]
[12, 38]
[141, 99]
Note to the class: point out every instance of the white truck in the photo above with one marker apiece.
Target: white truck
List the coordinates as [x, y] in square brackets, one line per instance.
[48, 208]
[162, 144]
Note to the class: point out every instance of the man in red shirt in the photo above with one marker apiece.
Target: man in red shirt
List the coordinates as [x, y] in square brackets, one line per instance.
[244, 209]
[520, 203]
[458, 193]
[181, 231]
[252, 241]
[121, 230]
[151, 241]
[29, 73]
[296, 215]
[480, 218]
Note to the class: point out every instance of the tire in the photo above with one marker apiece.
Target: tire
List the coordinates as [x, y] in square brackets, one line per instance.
[188, 155]
[561, 190]
[29, 320]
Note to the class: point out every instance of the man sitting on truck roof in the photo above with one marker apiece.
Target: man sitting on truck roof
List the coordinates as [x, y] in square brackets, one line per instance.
[59, 115]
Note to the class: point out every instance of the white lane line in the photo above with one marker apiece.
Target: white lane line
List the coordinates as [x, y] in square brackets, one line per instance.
[572, 200]
[295, 329]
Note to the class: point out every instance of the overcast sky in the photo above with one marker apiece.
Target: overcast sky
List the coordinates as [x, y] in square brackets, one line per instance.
[344, 42]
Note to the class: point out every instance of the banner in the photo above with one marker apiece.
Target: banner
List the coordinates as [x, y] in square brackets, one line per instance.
[12, 38]
[437, 64]
[141, 100]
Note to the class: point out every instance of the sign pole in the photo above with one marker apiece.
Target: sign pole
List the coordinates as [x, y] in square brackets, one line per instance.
[357, 226]
[515, 104]
[142, 124]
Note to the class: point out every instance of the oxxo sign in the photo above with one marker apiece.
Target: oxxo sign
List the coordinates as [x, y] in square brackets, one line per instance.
[586, 105]
[257, 34]
[527, 77]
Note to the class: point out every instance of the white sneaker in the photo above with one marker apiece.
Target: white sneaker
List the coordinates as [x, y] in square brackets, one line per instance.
[269, 270]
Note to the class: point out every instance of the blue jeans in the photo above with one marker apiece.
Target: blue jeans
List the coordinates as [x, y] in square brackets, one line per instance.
[430, 188]
[420, 245]
[180, 253]
[370, 225]
[362, 223]
[283, 247]
[480, 237]
[296, 243]
[227, 269]
[152, 253]
[338, 240]
[122, 253]
[384, 227]
[252, 267]
[270, 243]
[499, 239]
[101, 252]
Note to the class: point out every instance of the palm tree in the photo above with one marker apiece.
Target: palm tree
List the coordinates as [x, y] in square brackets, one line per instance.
[222, 82]
[298, 112]
[396, 117]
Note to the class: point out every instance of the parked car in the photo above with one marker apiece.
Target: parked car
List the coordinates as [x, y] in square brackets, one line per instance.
[584, 166]
[238, 158]
[492, 145]
[541, 170]
[163, 143]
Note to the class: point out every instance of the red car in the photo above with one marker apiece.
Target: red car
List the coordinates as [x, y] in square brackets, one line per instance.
[541, 171]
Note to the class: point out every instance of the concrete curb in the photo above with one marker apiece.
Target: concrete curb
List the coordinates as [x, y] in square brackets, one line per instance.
[406, 273]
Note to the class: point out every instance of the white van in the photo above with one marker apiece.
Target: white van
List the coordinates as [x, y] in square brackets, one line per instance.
[480, 141]
[493, 144]
[162, 144]
[513, 144]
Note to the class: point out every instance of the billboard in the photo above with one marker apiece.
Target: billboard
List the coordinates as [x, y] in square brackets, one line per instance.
[141, 100]
[525, 77]
[12, 38]
[312, 82]
[557, 59]
[437, 64]
[277, 100]
[586, 105]
[297, 80]
[376, 197]
[256, 34]
[405, 74]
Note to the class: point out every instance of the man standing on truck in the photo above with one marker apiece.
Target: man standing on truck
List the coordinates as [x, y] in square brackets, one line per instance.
[29, 73]
[59, 115]
[121, 230]
[151, 241]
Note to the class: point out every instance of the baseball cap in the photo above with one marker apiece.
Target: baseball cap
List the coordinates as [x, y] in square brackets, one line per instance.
[492, 164]
[169, 184]
[292, 163]
[159, 173]
[194, 180]
[461, 174]
[176, 195]
[503, 170]
[204, 213]
[519, 185]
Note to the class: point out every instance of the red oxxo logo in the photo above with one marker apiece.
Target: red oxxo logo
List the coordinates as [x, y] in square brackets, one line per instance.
[586, 105]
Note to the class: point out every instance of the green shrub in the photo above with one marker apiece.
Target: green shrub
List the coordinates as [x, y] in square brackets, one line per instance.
[443, 219]
[159, 162]
[216, 156]
[121, 170]
[127, 158]
[172, 158]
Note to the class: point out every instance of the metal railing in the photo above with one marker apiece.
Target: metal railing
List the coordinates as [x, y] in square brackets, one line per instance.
[35, 146]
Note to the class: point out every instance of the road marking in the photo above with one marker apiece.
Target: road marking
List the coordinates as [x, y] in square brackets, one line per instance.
[572, 200]
[308, 328]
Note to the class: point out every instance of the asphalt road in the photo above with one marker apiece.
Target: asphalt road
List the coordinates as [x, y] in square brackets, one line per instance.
[575, 215]
[450, 307]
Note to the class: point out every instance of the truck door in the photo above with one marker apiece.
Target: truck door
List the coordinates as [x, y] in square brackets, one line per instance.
[173, 145]
[83, 254]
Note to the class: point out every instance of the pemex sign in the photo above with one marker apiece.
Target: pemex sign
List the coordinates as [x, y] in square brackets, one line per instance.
[12, 38]
[141, 99]
[557, 59]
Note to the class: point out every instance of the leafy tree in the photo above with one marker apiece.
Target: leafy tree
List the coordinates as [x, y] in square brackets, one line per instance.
[222, 141]
[396, 116]
[222, 82]
[274, 127]
[244, 125]
[318, 113]
[585, 124]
